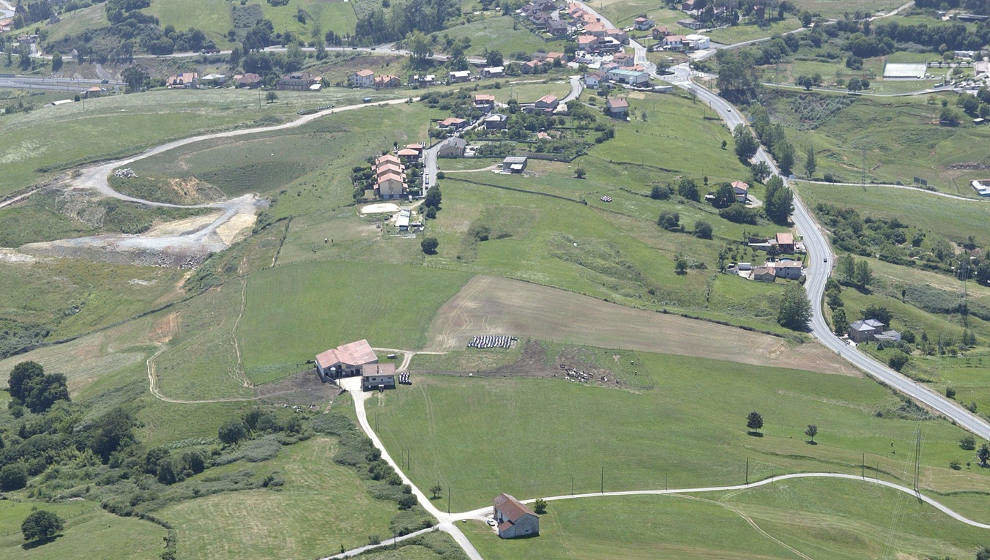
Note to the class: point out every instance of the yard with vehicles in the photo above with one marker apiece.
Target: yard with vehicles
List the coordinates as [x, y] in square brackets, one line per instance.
[771, 521]
[585, 427]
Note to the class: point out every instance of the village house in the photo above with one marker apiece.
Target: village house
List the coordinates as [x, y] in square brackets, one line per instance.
[741, 190]
[553, 57]
[514, 164]
[697, 42]
[617, 107]
[424, 79]
[387, 81]
[297, 81]
[493, 71]
[587, 43]
[6, 24]
[91, 92]
[787, 268]
[452, 123]
[363, 78]
[618, 35]
[391, 185]
[496, 122]
[871, 330]
[642, 23]
[659, 32]
[345, 361]
[185, 80]
[764, 273]
[592, 79]
[624, 59]
[691, 23]
[557, 28]
[249, 80]
[452, 148]
[411, 153]
[378, 377]
[784, 241]
[459, 76]
[213, 80]
[484, 101]
[629, 76]
[513, 519]
[547, 103]
[673, 42]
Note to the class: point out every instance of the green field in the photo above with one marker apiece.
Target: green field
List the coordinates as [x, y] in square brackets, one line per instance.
[654, 431]
[78, 21]
[38, 144]
[834, 8]
[900, 136]
[819, 518]
[333, 303]
[333, 15]
[740, 33]
[291, 522]
[89, 532]
[501, 33]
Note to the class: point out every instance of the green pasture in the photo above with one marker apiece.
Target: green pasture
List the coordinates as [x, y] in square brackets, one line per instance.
[819, 518]
[89, 532]
[749, 32]
[545, 432]
[501, 33]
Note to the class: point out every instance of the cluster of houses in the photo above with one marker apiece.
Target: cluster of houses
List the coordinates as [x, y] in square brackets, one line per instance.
[594, 36]
[296, 81]
[769, 271]
[390, 177]
[366, 78]
[782, 243]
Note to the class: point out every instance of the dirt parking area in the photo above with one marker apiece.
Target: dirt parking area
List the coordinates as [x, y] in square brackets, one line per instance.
[490, 305]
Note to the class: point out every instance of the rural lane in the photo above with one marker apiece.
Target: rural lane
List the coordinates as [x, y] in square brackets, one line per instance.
[821, 259]
[481, 513]
[353, 386]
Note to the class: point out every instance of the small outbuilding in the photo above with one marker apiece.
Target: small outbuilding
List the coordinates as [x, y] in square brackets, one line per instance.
[514, 164]
[378, 377]
[513, 519]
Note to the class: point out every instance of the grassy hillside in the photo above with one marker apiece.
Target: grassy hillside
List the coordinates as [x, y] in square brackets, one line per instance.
[818, 518]
[678, 420]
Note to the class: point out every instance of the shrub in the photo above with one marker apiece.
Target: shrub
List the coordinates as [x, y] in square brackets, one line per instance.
[429, 245]
[897, 360]
[232, 432]
[703, 230]
[13, 477]
[670, 221]
[659, 192]
[40, 525]
[739, 214]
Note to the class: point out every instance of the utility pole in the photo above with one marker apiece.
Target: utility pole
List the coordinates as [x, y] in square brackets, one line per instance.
[448, 500]
[747, 470]
[917, 459]
[864, 166]
[862, 470]
[603, 480]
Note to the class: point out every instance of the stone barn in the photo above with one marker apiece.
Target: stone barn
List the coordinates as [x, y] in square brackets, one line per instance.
[513, 519]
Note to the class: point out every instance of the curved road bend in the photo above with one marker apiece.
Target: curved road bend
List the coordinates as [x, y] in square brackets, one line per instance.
[820, 259]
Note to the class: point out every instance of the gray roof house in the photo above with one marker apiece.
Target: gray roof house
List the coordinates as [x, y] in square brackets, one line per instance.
[866, 330]
[514, 164]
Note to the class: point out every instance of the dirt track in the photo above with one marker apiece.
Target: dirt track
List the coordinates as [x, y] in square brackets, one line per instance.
[489, 305]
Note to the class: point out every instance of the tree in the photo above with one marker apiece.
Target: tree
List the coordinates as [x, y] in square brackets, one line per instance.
[794, 309]
[429, 245]
[433, 197]
[681, 265]
[784, 152]
[949, 117]
[579, 173]
[135, 77]
[271, 97]
[56, 62]
[983, 554]
[419, 45]
[760, 171]
[703, 230]
[746, 144]
[878, 312]
[754, 421]
[967, 443]
[540, 507]
[724, 196]
[13, 477]
[40, 525]
[22, 377]
[688, 189]
[811, 432]
[840, 324]
[779, 201]
[493, 58]
[41, 393]
[435, 491]
[670, 221]
[863, 275]
[660, 192]
[984, 455]
[809, 162]
[897, 360]
[232, 432]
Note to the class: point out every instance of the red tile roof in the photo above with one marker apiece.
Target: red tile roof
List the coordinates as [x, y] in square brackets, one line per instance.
[785, 239]
[511, 508]
[352, 354]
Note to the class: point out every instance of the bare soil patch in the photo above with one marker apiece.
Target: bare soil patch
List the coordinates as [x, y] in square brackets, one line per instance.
[303, 388]
[489, 305]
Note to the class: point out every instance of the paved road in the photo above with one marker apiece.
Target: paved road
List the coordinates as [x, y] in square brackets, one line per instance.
[821, 259]
[482, 513]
